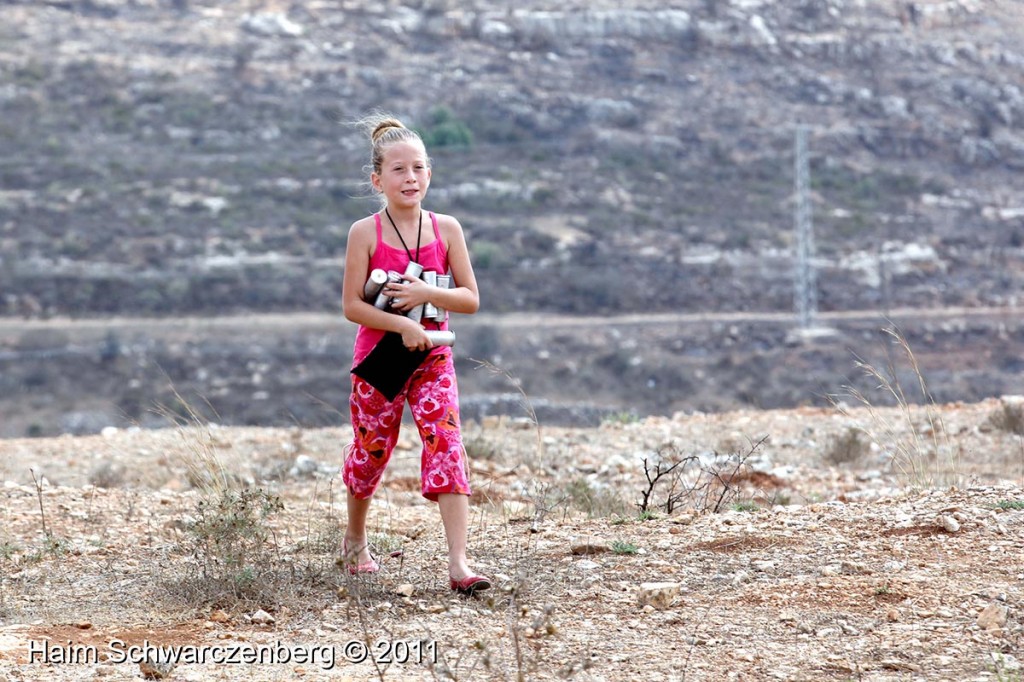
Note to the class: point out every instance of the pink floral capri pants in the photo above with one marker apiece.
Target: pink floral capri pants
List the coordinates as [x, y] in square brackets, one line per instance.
[433, 397]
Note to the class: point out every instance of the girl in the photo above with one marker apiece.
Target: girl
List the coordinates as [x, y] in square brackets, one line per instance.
[399, 233]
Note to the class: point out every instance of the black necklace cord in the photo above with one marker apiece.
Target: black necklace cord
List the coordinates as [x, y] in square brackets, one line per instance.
[419, 236]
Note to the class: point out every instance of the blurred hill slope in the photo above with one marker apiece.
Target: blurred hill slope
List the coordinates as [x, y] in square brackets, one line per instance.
[192, 157]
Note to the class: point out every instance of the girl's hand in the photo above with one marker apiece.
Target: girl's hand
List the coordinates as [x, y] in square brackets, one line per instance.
[414, 337]
[407, 294]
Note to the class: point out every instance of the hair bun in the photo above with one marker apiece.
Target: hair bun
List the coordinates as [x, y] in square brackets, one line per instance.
[384, 126]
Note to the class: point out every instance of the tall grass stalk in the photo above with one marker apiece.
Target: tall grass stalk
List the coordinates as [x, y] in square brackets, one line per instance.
[235, 549]
[203, 467]
[925, 460]
[524, 399]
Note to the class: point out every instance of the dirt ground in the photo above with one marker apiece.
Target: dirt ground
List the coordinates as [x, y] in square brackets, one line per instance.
[813, 544]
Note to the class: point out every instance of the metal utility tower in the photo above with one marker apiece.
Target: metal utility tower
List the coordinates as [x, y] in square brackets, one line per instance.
[806, 281]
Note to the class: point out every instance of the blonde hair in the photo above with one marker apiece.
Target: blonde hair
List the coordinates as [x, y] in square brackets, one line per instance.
[385, 130]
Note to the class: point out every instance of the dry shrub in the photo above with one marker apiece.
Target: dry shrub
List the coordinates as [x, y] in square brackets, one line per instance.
[692, 483]
[1009, 417]
[235, 556]
[107, 474]
[849, 447]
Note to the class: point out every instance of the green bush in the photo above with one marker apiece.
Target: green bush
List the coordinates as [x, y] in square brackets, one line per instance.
[486, 254]
[445, 130]
[622, 547]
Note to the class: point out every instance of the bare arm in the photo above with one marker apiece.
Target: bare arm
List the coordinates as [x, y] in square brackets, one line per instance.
[464, 298]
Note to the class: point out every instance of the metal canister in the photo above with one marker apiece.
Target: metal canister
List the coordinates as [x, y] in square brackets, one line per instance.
[414, 270]
[441, 337]
[374, 285]
[415, 314]
[383, 300]
[443, 282]
[429, 309]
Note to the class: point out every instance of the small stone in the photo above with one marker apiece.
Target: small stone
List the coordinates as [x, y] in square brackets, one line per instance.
[993, 617]
[405, 590]
[304, 466]
[155, 669]
[949, 524]
[83, 625]
[659, 595]
[837, 662]
[589, 547]
[220, 616]
[261, 617]
[893, 615]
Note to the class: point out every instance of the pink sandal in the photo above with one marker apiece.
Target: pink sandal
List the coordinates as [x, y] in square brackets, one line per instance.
[351, 559]
[471, 584]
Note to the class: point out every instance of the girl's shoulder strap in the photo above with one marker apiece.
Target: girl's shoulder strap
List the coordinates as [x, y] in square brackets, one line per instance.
[433, 221]
[376, 220]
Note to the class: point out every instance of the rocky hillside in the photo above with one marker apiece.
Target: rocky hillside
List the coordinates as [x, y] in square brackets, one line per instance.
[164, 157]
[169, 158]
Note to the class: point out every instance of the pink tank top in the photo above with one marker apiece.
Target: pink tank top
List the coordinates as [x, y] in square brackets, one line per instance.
[433, 256]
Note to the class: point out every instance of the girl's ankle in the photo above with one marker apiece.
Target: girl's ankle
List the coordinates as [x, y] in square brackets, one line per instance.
[459, 570]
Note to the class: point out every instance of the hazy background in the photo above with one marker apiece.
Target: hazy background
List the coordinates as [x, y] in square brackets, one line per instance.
[177, 179]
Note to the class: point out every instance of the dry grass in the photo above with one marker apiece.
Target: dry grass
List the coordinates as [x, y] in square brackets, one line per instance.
[918, 443]
[232, 555]
[1009, 417]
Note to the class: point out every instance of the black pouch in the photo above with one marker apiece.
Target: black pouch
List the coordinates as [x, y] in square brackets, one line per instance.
[389, 365]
